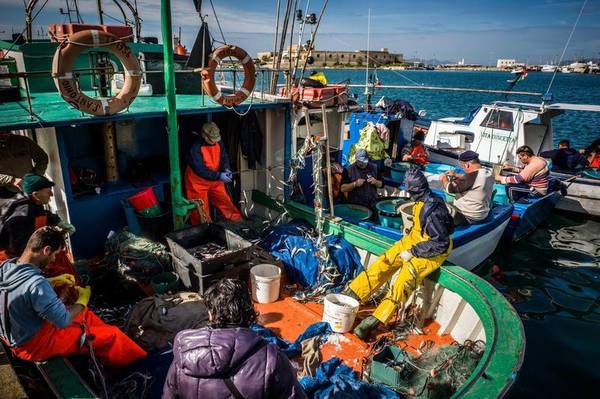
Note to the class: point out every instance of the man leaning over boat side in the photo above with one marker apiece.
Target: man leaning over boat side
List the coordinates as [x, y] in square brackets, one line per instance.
[421, 251]
[532, 179]
[35, 323]
[473, 190]
[19, 155]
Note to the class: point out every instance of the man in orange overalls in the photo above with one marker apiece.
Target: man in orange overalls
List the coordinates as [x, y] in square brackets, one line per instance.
[207, 173]
[34, 322]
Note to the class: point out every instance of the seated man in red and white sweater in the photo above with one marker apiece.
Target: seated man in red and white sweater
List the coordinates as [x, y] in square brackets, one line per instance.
[534, 175]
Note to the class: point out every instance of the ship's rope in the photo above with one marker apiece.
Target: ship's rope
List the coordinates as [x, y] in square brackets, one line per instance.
[566, 45]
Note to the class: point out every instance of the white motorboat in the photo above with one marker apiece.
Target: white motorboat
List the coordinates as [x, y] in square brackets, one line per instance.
[497, 129]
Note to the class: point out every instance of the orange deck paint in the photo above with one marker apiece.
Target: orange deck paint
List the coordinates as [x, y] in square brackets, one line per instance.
[289, 318]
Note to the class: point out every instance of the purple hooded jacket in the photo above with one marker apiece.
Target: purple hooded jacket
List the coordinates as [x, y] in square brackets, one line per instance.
[203, 358]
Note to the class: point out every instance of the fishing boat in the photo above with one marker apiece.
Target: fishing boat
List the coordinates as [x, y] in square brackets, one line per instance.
[94, 156]
[497, 129]
[549, 68]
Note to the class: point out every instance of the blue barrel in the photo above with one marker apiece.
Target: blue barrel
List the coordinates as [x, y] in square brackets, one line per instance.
[352, 212]
[398, 170]
[388, 217]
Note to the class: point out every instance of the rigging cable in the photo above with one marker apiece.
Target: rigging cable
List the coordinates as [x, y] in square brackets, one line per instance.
[21, 34]
[566, 45]
[218, 23]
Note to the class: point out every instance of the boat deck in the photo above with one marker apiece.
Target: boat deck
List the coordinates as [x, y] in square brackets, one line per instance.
[289, 318]
[49, 109]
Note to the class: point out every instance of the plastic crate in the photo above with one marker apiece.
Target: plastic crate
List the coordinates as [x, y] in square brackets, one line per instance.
[331, 95]
[196, 274]
[382, 370]
[59, 32]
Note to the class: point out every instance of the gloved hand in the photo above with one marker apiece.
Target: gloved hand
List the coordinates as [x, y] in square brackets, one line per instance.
[406, 256]
[63, 279]
[224, 177]
[67, 227]
[84, 295]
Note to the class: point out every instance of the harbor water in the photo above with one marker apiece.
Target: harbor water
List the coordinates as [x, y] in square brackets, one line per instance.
[552, 278]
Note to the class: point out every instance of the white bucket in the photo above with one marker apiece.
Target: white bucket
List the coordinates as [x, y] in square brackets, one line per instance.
[340, 311]
[265, 281]
[406, 210]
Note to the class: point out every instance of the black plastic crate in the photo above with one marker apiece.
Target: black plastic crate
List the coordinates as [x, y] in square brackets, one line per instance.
[193, 271]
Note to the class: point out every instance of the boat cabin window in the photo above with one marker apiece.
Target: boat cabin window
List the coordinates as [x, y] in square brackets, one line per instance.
[498, 120]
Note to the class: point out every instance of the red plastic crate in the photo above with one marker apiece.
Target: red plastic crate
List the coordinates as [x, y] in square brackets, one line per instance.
[330, 95]
[58, 32]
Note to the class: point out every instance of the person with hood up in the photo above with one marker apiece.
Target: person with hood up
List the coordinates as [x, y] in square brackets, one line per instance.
[415, 151]
[359, 181]
[421, 251]
[25, 213]
[207, 173]
[34, 322]
[227, 359]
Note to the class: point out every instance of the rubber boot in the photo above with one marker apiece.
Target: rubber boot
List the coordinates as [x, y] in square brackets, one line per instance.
[363, 330]
[350, 293]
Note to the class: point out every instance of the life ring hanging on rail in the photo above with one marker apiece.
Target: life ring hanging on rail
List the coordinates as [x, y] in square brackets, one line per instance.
[62, 72]
[208, 76]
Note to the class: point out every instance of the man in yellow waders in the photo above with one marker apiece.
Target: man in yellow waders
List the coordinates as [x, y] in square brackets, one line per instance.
[418, 253]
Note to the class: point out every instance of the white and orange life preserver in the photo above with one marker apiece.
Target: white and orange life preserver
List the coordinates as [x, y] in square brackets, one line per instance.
[208, 75]
[66, 83]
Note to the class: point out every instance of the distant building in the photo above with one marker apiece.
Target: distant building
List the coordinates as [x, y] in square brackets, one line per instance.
[506, 63]
[323, 58]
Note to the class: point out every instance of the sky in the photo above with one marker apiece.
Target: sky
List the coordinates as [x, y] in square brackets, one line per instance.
[532, 31]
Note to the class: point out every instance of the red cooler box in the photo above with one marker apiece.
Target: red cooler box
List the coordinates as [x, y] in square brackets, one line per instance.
[330, 95]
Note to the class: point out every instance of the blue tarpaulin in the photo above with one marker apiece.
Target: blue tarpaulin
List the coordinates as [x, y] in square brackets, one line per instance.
[302, 266]
[292, 349]
[335, 380]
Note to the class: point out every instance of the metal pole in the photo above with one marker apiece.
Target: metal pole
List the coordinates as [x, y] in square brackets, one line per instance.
[179, 204]
[327, 159]
[100, 17]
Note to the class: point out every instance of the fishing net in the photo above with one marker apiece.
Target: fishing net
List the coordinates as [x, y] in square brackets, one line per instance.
[136, 257]
[436, 373]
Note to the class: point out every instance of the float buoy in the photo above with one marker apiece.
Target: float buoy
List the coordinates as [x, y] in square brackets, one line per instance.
[62, 72]
[208, 76]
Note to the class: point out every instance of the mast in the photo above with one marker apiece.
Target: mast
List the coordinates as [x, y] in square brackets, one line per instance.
[100, 17]
[180, 205]
[367, 91]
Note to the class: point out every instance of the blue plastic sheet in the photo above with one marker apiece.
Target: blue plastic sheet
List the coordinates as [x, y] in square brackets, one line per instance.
[302, 266]
[335, 380]
[292, 349]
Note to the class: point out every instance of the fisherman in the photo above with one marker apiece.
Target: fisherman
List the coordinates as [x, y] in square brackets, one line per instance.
[531, 180]
[592, 152]
[18, 155]
[473, 190]
[207, 173]
[34, 322]
[227, 359]
[565, 159]
[360, 182]
[421, 251]
[415, 151]
[25, 213]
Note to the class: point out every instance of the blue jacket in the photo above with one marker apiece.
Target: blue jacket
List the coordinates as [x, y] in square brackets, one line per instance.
[196, 161]
[26, 300]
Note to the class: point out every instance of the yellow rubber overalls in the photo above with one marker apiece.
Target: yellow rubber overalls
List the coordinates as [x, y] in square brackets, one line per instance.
[411, 274]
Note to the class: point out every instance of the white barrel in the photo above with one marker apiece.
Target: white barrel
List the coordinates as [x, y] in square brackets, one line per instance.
[340, 311]
[265, 281]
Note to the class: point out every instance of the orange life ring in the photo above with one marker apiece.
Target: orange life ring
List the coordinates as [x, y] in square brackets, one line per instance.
[62, 72]
[208, 75]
